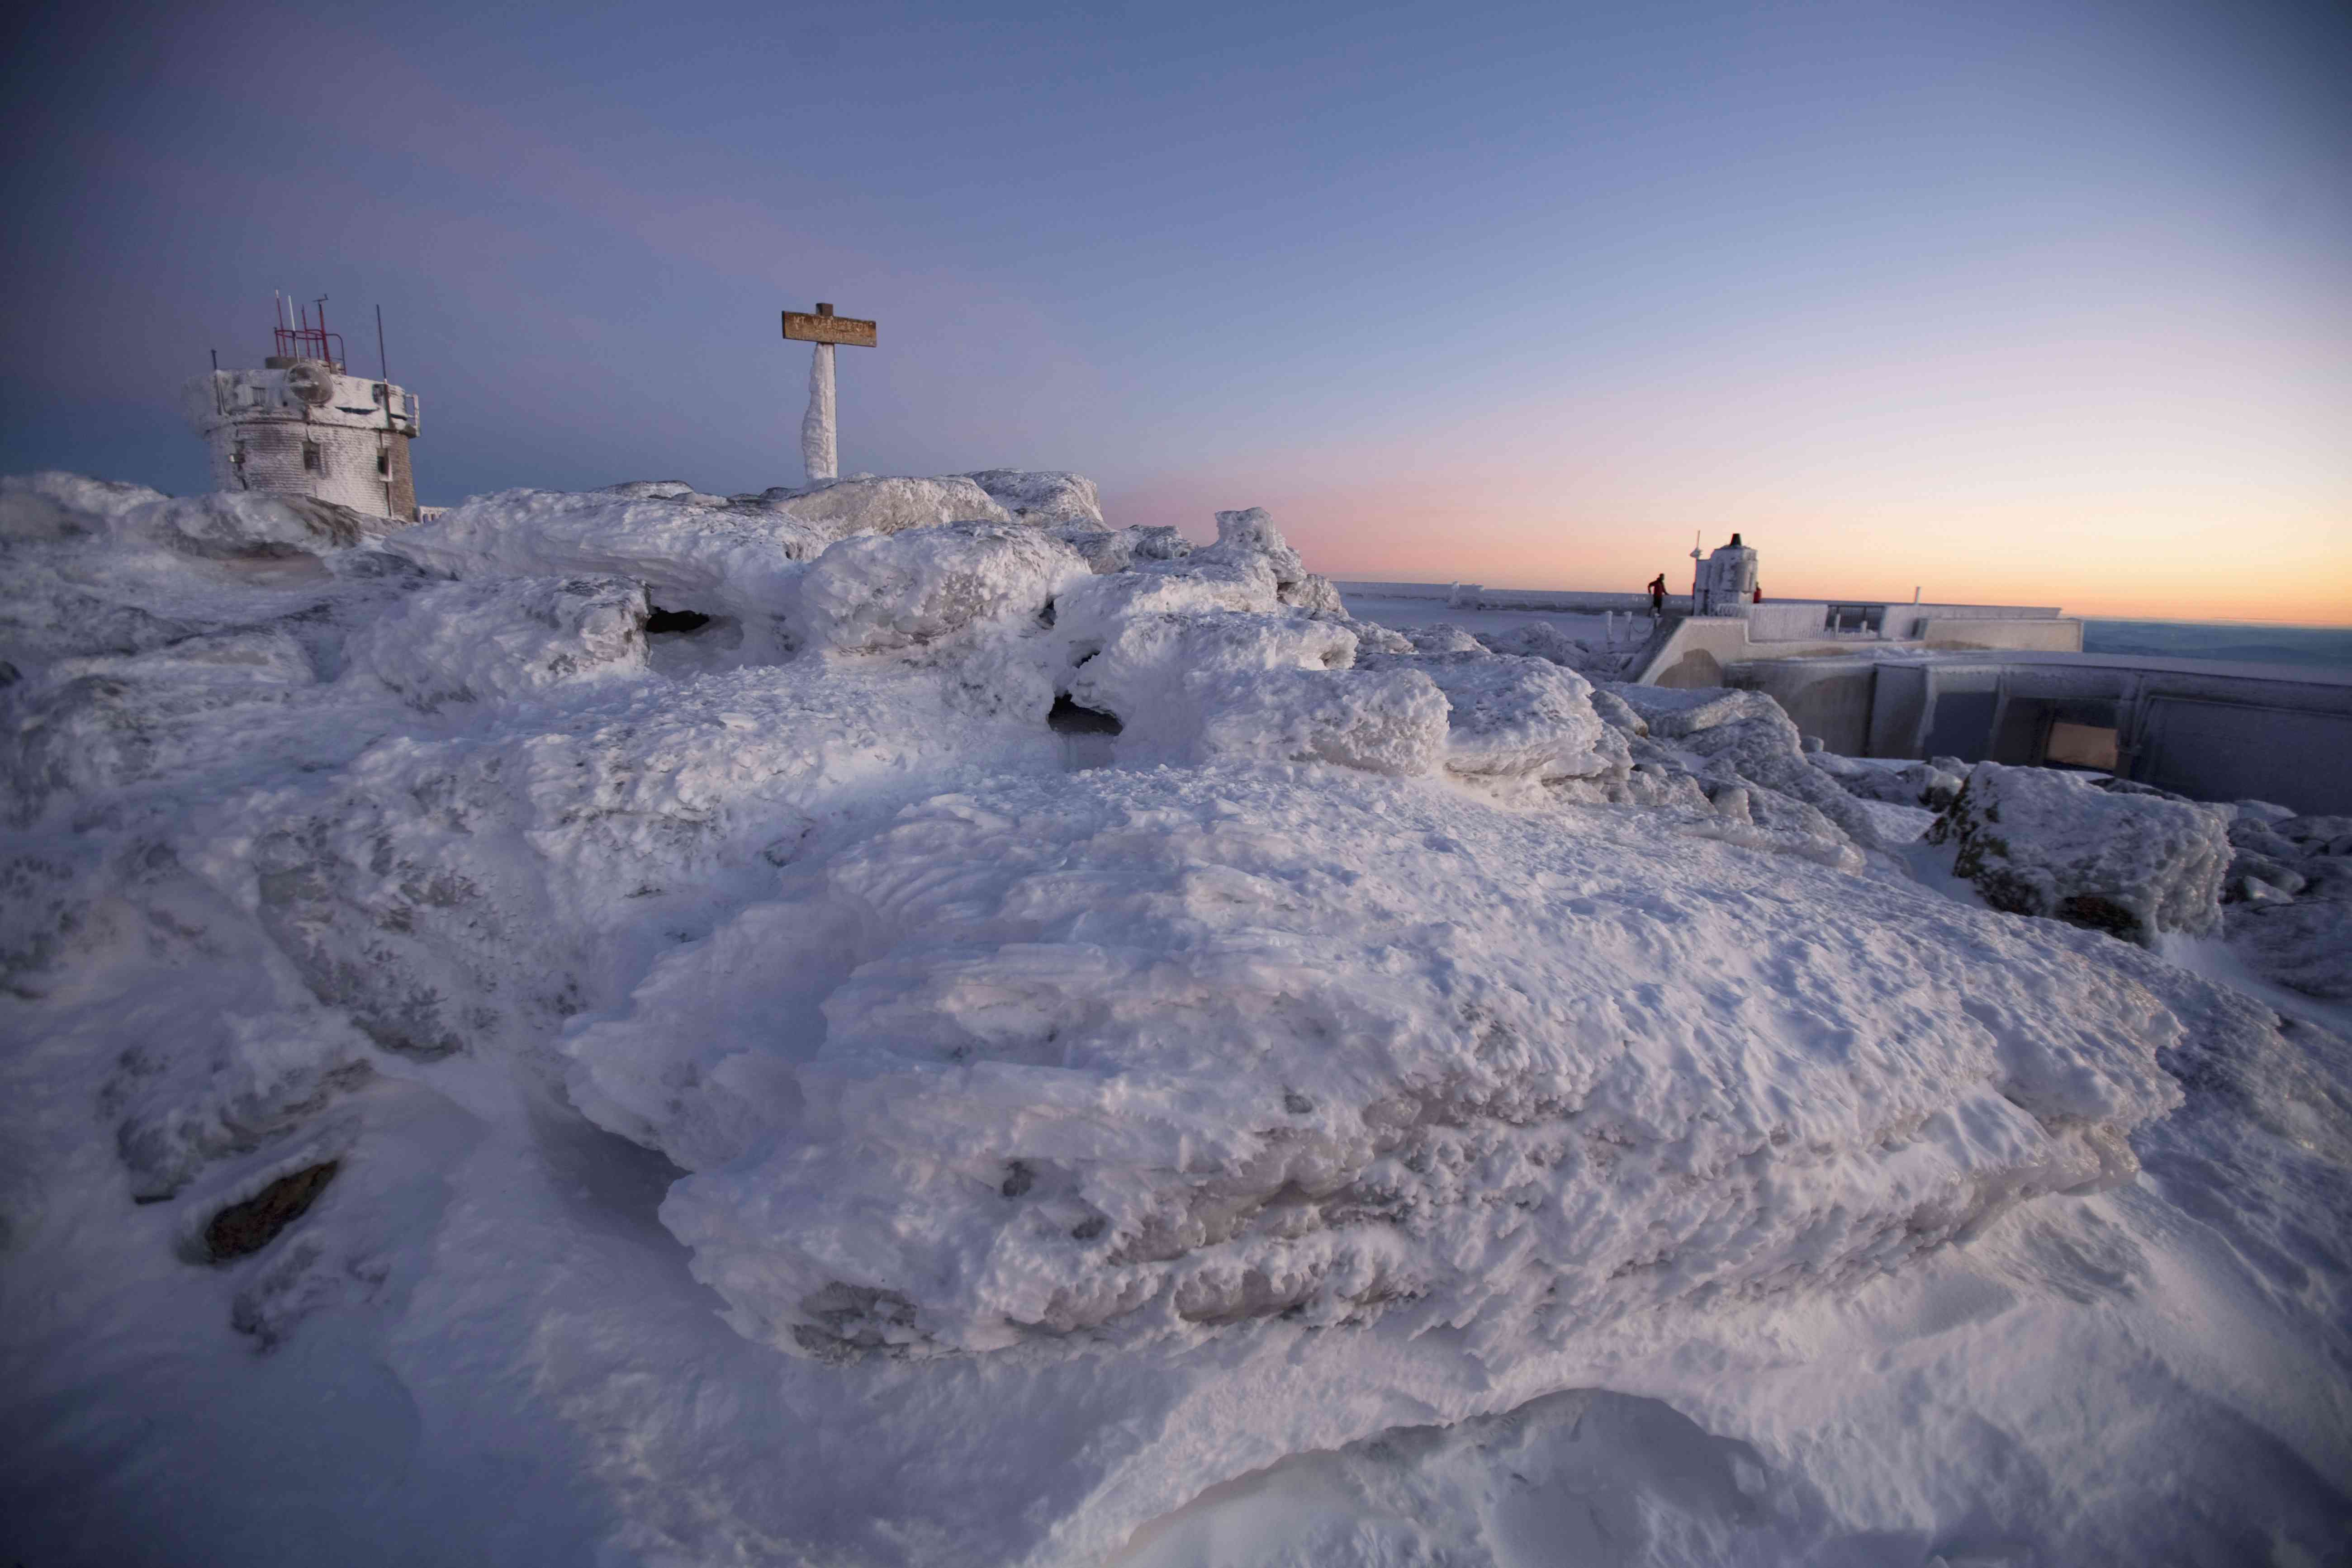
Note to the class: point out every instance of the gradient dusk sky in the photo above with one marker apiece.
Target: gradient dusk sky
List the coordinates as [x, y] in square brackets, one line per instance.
[2042, 302]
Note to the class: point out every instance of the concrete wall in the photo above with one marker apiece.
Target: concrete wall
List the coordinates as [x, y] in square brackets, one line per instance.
[2208, 730]
[1831, 699]
[2236, 751]
[1694, 652]
[1787, 620]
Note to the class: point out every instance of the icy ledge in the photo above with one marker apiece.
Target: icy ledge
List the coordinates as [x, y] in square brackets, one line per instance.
[1159, 1054]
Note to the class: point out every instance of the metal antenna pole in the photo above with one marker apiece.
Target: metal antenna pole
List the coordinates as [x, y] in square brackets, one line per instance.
[383, 366]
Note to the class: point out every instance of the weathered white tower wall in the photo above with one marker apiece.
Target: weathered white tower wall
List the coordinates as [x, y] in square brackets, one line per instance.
[1726, 580]
[300, 427]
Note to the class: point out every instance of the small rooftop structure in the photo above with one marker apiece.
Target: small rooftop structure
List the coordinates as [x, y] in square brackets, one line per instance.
[301, 424]
[1724, 583]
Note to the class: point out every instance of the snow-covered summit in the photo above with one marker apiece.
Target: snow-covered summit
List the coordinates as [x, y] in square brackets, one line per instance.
[901, 1022]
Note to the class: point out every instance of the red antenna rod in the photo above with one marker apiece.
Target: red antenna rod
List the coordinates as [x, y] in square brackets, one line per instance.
[304, 341]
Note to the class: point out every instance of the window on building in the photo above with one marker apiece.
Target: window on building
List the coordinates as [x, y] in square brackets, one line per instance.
[313, 462]
[384, 465]
[2081, 746]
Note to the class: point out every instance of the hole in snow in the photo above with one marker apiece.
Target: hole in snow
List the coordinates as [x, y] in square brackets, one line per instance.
[1068, 718]
[662, 620]
[248, 1227]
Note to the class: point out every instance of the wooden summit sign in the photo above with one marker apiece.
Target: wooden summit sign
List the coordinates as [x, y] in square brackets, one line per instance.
[818, 448]
[825, 327]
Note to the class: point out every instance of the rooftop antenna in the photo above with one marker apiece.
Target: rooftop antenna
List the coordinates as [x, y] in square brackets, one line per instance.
[383, 366]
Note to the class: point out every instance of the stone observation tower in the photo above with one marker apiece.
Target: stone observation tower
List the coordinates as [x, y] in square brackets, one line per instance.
[299, 426]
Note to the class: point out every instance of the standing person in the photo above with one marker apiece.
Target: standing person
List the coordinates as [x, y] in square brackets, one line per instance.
[1757, 596]
[1658, 595]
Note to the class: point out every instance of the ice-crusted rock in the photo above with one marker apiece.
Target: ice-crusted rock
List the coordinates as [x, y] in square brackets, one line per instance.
[1223, 684]
[880, 592]
[254, 525]
[1320, 1057]
[2038, 841]
[2248, 870]
[1745, 737]
[503, 639]
[1443, 637]
[231, 526]
[1115, 550]
[1913, 784]
[1674, 713]
[1516, 720]
[2303, 943]
[2316, 834]
[1541, 639]
[53, 505]
[1045, 497]
[886, 505]
[1179, 587]
[1248, 537]
[742, 563]
[2258, 835]
[658, 489]
[81, 731]
[1618, 714]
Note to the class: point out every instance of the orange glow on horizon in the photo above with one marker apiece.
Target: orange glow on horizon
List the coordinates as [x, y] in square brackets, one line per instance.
[2295, 569]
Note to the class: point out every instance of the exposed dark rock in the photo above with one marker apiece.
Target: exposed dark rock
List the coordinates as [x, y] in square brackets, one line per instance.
[243, 1229]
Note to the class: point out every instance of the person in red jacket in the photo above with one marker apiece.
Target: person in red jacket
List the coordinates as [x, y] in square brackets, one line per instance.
[1758, 597]
[1658, 594]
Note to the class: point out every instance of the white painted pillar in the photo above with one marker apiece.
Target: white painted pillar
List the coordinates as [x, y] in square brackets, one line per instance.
[818, 449]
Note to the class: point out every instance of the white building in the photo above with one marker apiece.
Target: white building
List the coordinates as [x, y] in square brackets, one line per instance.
[299, 426]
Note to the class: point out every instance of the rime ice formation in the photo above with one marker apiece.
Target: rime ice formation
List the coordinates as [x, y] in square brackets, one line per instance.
[895, 1021]
[1052, 500]
[2037, 841]
[818, 452]
[1041, 1117]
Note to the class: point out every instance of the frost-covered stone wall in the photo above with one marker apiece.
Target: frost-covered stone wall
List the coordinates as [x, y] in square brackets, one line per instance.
[304, 429]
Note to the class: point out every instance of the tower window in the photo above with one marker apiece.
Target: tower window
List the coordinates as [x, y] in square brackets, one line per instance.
[312, 462]
[384, 465]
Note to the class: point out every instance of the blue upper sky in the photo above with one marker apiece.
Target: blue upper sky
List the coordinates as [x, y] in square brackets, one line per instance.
[2047, 301]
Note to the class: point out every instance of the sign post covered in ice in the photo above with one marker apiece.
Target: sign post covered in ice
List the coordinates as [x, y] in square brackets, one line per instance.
[825, 330]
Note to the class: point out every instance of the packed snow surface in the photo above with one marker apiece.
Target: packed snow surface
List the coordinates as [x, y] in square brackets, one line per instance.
[898, 1022]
